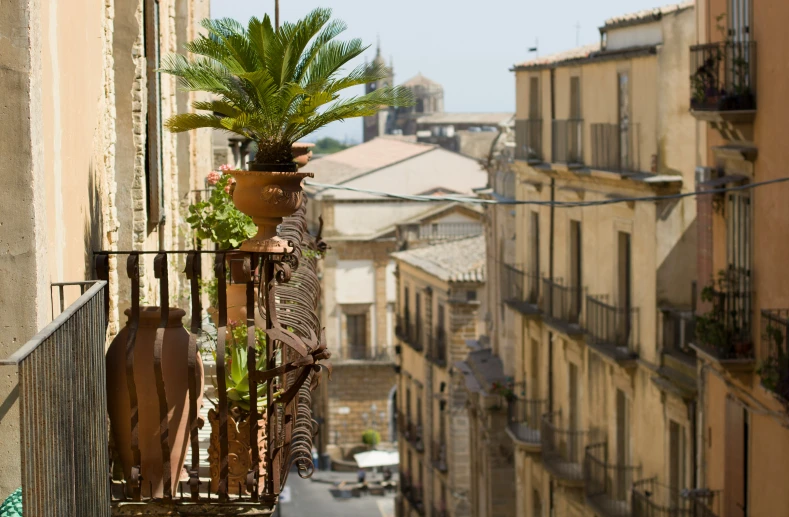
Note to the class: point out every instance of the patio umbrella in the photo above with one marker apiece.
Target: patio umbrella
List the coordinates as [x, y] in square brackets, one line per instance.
[372, 459]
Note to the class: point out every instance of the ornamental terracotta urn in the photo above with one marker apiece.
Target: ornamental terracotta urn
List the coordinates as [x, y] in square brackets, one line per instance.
[175, 373]
[267, 196]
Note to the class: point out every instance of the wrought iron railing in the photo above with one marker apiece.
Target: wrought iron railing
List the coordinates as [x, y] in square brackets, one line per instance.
[525, 417]
[567, 144]
[723, 76]
[724, 331]
[653, 499]
[283, 291]
[613, 329]
[519, 289]
[60, 375]
[563, 447]
[438, 347]
[413, 434]
[409, 332]
[438, 232]
[439, 454]
[774, 353]
[615, 147]
[412, 492]
[561, 303]
[608, 485]
[528, 139]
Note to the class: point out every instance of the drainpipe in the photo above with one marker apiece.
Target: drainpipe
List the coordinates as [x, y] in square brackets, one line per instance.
[550, 301]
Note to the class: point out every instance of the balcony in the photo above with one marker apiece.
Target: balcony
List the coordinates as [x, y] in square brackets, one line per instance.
[409, 333]
[568, 137]
[528, 140]
[615, 148]
[437, 232]
[723, 333]
[561, 306]
[520, 290]
[723, 81]
[412, 492]
[652, 499]
[612, 330]
[563, 448]
[774, 367]
[608, 485]
[439, 455]
[438, 347]
[523, 422]
[413, 435]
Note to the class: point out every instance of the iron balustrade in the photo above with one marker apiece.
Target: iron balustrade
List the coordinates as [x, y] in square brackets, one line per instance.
[438, 347]
[615, 147]
[723, 76]
[561, 303]
[652, 499]
[438, 232]
[412, 492]
[60, 375]
[725, 330]
[614, 330]
[519, 289]
[409, 333]
[774, 353]
[439, 454]
[524, 417]
[608, 485]
[287, 299]
[563, 447]
[528, 139]
[413, 435]
[567, 144]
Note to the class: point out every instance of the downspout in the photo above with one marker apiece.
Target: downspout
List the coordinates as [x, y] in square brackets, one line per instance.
[550, 276]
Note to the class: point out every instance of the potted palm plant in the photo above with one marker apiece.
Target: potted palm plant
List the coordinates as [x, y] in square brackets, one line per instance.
[275, 86]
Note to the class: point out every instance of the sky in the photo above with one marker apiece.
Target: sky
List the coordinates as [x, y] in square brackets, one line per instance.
[466, 46]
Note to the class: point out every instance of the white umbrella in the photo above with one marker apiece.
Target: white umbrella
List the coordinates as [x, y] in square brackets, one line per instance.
[372, 459]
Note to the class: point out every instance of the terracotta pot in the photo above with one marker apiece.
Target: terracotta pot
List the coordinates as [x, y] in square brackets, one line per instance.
[302, 152]
[237, 307]
[239, 455]
[267, 197]
[176, 380]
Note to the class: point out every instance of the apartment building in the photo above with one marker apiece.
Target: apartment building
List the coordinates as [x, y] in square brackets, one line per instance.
[603, 401]
[737, 95]
[439, 302]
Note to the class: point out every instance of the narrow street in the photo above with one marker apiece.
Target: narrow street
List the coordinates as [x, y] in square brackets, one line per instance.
[312, 497]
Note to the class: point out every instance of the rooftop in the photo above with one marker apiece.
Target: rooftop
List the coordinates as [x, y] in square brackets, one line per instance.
[363, 158]
[481, 119]
[560, 57]
[421, 80]
[645, 16]
[456, 261]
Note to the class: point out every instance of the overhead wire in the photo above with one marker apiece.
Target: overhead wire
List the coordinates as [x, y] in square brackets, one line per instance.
[558, 204]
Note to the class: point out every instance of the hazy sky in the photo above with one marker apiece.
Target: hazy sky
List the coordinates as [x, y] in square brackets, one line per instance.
[466, 46]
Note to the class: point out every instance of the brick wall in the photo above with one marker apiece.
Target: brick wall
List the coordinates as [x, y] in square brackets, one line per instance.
[357, 387]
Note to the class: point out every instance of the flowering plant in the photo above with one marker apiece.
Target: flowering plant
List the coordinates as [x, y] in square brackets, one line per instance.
[217, 218]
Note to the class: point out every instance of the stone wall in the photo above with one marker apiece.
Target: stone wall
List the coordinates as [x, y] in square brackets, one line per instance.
[352, 391]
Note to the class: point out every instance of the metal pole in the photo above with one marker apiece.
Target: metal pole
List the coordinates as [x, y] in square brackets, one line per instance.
[276, 14]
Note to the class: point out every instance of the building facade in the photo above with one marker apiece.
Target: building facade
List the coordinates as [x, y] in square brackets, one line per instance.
[603, 401]
[89, 164]
[741, 333]
[359, 286]
[439, 300]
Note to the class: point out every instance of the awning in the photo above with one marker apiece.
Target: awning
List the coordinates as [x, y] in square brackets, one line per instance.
[372, 459]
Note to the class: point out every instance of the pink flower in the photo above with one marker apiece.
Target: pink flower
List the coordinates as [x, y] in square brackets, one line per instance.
[230, 185]
[226, 167]
[213, 178]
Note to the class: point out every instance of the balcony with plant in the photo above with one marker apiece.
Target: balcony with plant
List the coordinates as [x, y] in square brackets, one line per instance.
[724, 330]
[774, 365]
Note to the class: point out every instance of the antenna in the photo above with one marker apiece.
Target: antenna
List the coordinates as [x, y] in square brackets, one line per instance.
[535, 48]
[577, 34]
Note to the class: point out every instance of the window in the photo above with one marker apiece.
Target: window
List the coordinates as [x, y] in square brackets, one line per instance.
[356, 335]
[154, 164]
[534, 98]
[576, 269]
[622, 443]
[624, 286]
[676, 461]
[418, 319]
[575, 98]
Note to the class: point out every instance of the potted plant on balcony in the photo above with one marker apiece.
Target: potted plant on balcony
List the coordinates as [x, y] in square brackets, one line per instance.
[239, 412]
[774, 369]
[275, 86]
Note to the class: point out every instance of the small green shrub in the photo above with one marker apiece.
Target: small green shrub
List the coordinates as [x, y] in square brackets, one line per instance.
[371, 437]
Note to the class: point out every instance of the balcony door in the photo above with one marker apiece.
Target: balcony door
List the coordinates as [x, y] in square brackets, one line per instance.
[575, 447]
[622, 445]
[576, 271]
[534, 252]
[624, 293]
[739, 20]
[575, 128]
[676, 461]
[735, 491]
